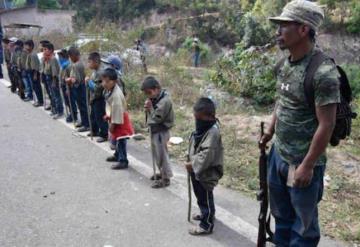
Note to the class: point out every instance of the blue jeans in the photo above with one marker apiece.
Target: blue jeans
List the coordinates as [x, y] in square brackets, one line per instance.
[28, 85]
[120, 152]
[56, 100]
[80, 98]
[99, 125]
[196, 58]
[47, 85]
[205, 201]
[294, 209]
[36, 85]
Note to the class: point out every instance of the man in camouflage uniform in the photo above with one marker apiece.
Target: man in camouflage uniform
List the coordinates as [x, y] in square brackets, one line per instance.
[297, 159]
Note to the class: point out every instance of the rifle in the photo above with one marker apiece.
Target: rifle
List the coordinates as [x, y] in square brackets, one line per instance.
[264, 234]
[88, 111]
[151, 146]
[189, 186]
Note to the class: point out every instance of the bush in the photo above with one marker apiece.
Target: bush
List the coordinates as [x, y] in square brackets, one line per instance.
[353, 73]
[353, 25]
[249, 73]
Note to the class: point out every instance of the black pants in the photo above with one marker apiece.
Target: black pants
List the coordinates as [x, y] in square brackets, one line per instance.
[99, 125]
[12, 78]
[205, 200]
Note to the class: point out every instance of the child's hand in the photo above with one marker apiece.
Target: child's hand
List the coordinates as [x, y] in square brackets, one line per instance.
[148, 105]
[188, 166]
[106, 118]
[68, 80]
[112, 128]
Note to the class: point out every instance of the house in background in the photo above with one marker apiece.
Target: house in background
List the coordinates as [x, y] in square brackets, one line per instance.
[52, 20]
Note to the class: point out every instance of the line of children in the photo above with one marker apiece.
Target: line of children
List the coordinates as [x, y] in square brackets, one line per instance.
[110, 118]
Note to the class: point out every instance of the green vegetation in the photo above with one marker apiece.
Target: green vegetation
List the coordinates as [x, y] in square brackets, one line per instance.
[248, 73]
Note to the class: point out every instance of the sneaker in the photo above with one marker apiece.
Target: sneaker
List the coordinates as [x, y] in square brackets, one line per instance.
[101, 139]
[120, 166]
[157, 184]
[52, 114]
[78, 125]
[112, 146]
[48, 108]
[27, 99]
[83, 129]
[111, 159]
[94, 134]
[58, 116]
[69, 119]
[198, 231]
[37, 104]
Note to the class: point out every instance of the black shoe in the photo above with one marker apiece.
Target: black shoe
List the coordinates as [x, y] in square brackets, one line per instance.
[83, 129]
[58, 116]
[94, 134]
[27, 99]
[101, 139]
[47, 108]
[37, 104]
[111, 159]
[120, 166]
[78, 125]
[69, 119]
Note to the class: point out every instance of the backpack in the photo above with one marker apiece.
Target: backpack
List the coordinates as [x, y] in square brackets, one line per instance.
[344, 113]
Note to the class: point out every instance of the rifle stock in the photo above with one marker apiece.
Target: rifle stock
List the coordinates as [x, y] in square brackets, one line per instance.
[264, 233]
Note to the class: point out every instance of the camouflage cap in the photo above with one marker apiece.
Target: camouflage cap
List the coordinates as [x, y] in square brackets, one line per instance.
[301, 11]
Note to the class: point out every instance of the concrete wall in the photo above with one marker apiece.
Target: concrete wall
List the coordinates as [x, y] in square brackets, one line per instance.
[51, 20]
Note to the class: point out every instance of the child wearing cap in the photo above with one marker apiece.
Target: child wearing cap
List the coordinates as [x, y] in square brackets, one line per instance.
[97, 100]
[116, 113]
[32, 68]
[206, 163]
[115, 63]
[160, 119]
[51, 75]
[77, 81]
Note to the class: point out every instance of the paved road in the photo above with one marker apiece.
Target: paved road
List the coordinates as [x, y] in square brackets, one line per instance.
[57, 190]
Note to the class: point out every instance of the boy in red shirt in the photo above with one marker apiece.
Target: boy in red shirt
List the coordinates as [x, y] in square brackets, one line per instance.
[118, 117]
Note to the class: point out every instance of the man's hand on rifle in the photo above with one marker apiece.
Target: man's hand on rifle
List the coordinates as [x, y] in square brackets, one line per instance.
[265, 139]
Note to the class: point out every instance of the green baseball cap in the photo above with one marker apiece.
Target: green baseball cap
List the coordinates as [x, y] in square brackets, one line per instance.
[301, 11]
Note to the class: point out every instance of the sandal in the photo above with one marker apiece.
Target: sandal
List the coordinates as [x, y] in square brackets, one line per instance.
[160, 183]
[198, 231]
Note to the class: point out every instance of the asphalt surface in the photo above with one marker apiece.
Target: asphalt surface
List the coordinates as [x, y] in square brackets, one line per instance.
[57, 190]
